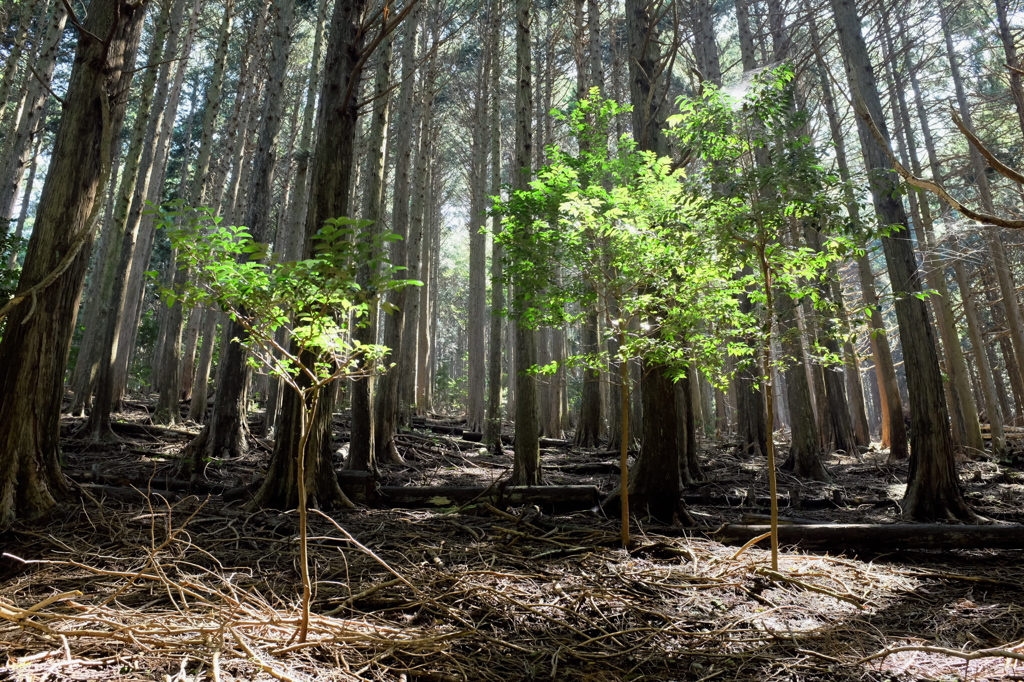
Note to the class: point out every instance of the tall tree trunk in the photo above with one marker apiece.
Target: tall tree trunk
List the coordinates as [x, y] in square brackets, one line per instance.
[492, 427]
[476, 314]
[893, 428]
[992, 408]
[10, 73]
[34, 352]
[933, 489]
[526, 464]
[18, 145]
[963, 410]
[105, 300]
[1007, 287]
[1010, 52]
[385, 411]
[419, 224]
[805, 449]
[26, 200]
[329, 198]
[154, 164]
[361, 453]
[225, 436]
[168, 409]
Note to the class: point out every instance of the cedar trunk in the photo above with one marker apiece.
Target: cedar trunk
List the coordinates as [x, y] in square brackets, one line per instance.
[34, 350]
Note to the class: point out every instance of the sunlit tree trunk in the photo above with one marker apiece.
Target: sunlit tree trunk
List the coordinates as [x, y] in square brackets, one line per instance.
[33, 352]
[933, 490]
[893, 429]
[492, 427]
[361, 454]
[1000, 264]
[419, 224]
[18, 145]
[13, 64]
[963, 411]
[478, 249]
[526, 465]
[407, 113]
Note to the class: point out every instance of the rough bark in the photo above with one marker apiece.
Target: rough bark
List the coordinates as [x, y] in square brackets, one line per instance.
[476, 313]
[963, 410]
[893, 429]
[385, 412]
[997, 252]
[933, 490]
[18, 145]
[361, 453]
[492, 426]
[329, 198]
[804, 450]
[34, 352]
[526, 465]
[654, 480]
[226, 434]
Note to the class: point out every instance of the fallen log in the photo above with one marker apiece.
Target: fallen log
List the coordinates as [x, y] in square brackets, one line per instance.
[150, 430]
[550, 498]
[836, 537]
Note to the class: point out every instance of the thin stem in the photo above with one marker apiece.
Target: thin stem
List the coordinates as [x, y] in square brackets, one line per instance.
[766, 274]
[307, 424]
[624, 445]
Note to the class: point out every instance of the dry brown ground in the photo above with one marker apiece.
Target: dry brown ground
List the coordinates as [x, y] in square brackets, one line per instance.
[195, 588]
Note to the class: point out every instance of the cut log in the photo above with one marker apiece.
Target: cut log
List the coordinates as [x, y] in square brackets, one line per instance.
[880, 538]
[550, 498]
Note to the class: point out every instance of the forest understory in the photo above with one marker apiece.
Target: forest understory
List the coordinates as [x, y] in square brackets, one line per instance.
[141, 581]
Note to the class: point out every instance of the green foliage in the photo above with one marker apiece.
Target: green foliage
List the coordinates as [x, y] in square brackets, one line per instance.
[8, 276]
[665, 253]
[313, 299]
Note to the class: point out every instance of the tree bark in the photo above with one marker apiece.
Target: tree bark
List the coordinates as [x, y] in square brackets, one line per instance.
[893, 429]
[362, 453]
[492, 427]
[385, 411]
[34, 349]
[330, 189]
[933, 490]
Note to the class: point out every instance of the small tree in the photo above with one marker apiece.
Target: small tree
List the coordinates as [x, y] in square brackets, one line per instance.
[757, 178]
[312, 300]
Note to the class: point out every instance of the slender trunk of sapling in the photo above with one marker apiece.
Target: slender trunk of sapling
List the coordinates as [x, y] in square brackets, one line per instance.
[769, 397]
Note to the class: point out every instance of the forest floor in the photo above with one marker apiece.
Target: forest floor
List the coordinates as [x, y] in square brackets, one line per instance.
[131, 584]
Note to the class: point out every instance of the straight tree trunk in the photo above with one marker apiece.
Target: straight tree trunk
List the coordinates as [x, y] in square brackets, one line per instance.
[893, 429]
[10, 73]
[19, 228]
[964, 411]
[526, 464]
[105, 303]
[154, 164]
[332, 165]
[804, 450]
[492, 427]
[997, 252]
[168, 408]
[34, 352]
[226, 434]
[1010, 52]
[385, 411]
[476, 313]
[361, 453]
[933, 490]
[18, 145]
